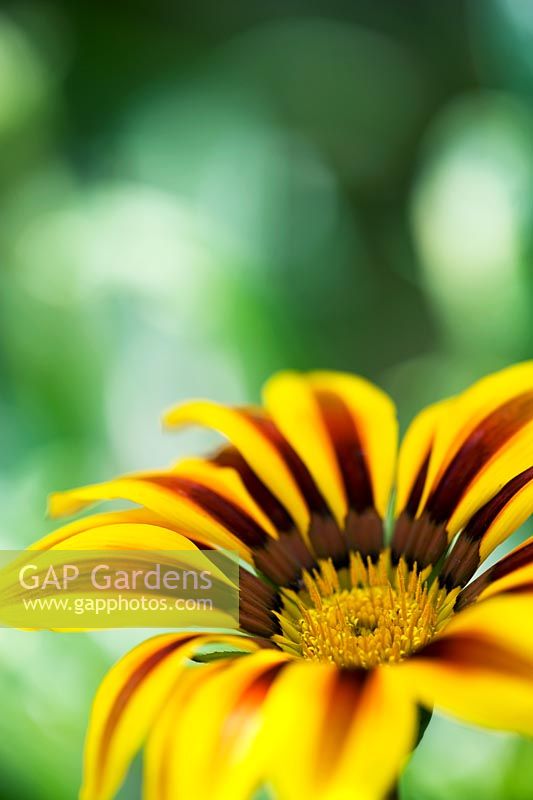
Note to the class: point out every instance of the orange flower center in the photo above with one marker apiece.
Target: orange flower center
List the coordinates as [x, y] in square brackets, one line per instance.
[364, 615]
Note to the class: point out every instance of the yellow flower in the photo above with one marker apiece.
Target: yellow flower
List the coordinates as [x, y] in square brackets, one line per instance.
[346, 631]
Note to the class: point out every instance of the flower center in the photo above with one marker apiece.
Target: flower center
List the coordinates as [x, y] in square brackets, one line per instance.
[363, 615]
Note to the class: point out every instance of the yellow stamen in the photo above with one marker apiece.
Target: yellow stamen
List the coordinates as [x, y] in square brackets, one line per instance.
[363, 615]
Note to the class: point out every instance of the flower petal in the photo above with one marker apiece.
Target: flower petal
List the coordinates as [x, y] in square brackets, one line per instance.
[230, 458]
[480, 422]
[380, 739]
[511, 574]
[490, 525]
[325, 447]
[306, 729]
[211, 506]
[481, 668]
[359, 415]
[205, 742]
[227, 483]
[136, 530]
[139, 529]
[220, 517]
[72, 529]
[290, 400]
[242, 428]
[482, 440]
[332, 734]
[344, 431]
[131, 546]
[130, 699]
[122, 536]
[413, 460]
[281, 559]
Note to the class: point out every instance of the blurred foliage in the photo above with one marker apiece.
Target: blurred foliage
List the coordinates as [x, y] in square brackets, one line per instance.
[196, 194]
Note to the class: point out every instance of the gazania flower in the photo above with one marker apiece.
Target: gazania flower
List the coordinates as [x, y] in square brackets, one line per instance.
[349, 625]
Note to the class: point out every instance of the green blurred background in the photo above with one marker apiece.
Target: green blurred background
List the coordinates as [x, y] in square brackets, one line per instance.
[195, 194]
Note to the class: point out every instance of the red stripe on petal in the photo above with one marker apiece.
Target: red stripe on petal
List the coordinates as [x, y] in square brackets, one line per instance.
[480, 446]
[349, 449]
[231, 516]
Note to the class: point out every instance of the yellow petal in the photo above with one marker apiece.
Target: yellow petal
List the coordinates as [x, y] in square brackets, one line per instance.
[512, 573]
[415, 449]
[159, 759]
[133, 515]
[289, 399]
[506, 399]
[511, 517]
[505, 622]
[129, 701]
[332, 734]
[471, 407]
[516, 580]
[145, 490]
[259, 452]
[209, 746]
[480, 441]
[511, 460]
[374, 416]
[130, 546]
[125, 536]
[481, 668]
[380, 740]
[294, 720]
[307, 729]
[486, 529]
[227, 483]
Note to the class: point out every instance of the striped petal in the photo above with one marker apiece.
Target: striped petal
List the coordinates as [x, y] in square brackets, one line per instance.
[414, 456]
[205, 742]
[216, 511]
[305, 729]
[480, 423]
[226, 483]
[230, 458]
[139, 529]
[281, 559]
[121, 536]
[324, 449]
[491, 524]
[480, 441]
[361, 421]
[292, 404]
[481, 668]
[332, 734]
[72, 529]
[345, 432]
[129, 701]
[130, 545]
[210, 504]
[512, 574]
[253, 438]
